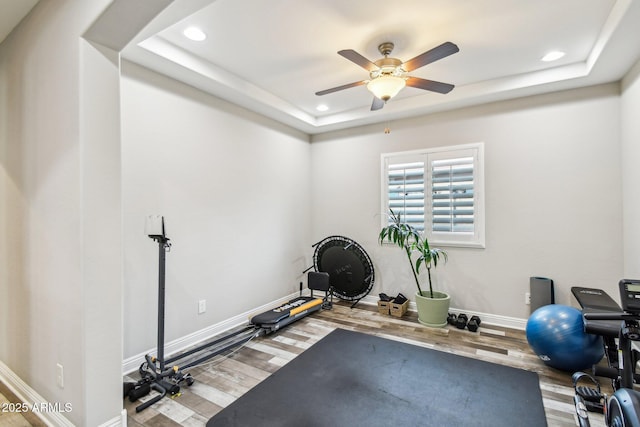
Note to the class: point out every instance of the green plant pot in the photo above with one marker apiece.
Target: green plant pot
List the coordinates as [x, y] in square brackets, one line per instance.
[433, 311]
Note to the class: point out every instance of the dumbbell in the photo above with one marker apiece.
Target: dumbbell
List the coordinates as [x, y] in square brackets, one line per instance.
[474, 323]
[461, 321]
[451, 319]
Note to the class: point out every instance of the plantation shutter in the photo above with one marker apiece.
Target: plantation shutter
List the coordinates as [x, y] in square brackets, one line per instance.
[439, 191]
[452, 191]
[405, 189]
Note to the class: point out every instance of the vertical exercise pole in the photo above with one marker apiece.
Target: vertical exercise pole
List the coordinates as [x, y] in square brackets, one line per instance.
[162, 245]
[154, 228]
[154, 376]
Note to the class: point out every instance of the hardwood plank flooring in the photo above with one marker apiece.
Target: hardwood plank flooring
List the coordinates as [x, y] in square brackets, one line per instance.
[224, 379]
[10, 417]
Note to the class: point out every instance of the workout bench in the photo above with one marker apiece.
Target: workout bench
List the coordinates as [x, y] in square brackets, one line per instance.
[598, 301]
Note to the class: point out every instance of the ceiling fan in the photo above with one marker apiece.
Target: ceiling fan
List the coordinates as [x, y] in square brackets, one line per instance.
[388, 76]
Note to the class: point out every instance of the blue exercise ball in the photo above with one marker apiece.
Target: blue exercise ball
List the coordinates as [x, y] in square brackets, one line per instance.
[556, 334]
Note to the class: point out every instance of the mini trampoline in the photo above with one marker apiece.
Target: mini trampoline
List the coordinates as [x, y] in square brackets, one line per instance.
[349, 267]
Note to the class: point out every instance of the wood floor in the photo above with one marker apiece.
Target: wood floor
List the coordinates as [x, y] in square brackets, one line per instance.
[12, 411]
[225, 379]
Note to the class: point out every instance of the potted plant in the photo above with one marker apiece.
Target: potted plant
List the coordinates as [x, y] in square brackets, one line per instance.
[433, 306]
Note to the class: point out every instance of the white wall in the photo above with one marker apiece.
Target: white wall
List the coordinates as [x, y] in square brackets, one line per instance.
[101, 212]
[631, 171]
[553, 196]
[234, 190]
[48, 159]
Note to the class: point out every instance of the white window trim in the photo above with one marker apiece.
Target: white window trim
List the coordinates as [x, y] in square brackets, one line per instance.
[472, 240]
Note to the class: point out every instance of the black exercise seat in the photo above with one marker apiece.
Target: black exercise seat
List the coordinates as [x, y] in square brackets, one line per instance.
[598, 301]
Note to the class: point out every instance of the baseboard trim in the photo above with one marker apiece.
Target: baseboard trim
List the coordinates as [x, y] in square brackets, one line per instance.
[132, 364]
[114, 422]
[29, 396]
[487, 319]
[118, 421]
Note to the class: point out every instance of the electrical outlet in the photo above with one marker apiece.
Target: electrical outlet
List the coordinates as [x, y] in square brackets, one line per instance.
[527, 298]
[202, 306]
[59, 375]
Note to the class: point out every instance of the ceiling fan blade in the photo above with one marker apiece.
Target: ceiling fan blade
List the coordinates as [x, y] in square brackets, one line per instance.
[431, 85]
[438, 52]
[337, 88]
[358, 59]
[377, 104]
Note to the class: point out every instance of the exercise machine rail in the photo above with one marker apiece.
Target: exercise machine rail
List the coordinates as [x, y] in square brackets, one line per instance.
[154, 372]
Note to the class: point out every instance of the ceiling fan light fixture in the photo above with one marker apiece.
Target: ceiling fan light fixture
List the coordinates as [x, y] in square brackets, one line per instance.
[386, 87]
[387, 75]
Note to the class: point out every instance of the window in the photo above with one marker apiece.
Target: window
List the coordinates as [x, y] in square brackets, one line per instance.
[439, 191]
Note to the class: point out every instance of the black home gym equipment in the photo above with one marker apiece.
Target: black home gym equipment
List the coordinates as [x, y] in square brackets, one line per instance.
[155, 373]
[349, 267]
[272, 320]
[602, 316]
[593, 300]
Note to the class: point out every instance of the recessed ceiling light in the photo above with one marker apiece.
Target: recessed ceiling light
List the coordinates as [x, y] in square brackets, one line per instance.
[553, 56]
[195, 34]
[322, 107]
